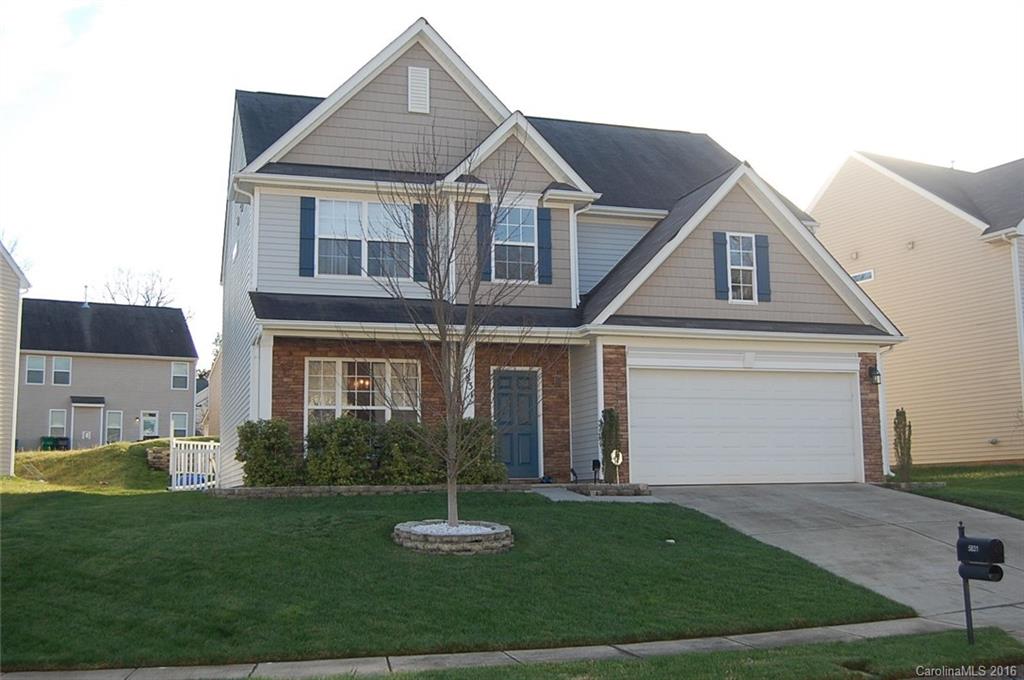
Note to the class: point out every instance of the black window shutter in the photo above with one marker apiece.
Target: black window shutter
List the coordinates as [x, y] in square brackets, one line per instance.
[544, 245]
[307, 235]
[721, 266]
[483, 239]
[764, 277]
[419, 242]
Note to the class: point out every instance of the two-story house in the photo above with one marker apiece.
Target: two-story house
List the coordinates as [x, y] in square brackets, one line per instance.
[12, 284]
[663, 278]
[95, 373]
[940, 249]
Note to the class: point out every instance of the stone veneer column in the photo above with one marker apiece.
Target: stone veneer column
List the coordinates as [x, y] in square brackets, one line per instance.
[616, 386]
[870, 421]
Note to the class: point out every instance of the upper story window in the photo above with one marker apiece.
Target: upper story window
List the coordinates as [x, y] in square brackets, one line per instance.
[419, 89]
[862, 277]
[179, 375]
[62, 370]
[515, 244]
[742, 268]
[35, 370]
[354, 237]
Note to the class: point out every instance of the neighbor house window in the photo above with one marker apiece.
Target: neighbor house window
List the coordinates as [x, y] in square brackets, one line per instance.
[179, 424]
[374, 390]
[35, 370]
[58, 422]
[179, 375]
[861, 277]
[358, 237]
[741, 268]
[62, 370]
[388, 253]
[114, 426]
[515, 244]
[339, 238]
[149, 425]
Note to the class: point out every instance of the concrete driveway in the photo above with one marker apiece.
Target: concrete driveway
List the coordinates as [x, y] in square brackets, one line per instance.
[898, 544]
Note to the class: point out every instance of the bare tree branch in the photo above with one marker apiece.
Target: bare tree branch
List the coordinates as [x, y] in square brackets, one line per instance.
[149, 289]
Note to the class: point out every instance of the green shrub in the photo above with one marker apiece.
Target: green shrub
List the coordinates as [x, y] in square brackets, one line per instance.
[340, 452]
[267, 454]
[349, 451]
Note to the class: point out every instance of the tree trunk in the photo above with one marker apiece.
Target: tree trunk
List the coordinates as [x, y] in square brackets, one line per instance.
[453, 500]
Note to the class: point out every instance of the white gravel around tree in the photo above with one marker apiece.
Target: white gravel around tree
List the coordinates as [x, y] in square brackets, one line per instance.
[442, 529]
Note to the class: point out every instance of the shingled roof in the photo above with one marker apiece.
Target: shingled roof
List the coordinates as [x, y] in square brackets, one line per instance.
[101, 328]
[994, 196]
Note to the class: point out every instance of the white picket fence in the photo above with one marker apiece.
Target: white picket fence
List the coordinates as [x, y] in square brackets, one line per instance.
[193, 465]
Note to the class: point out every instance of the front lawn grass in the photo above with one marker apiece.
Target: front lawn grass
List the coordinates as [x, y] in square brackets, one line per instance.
[100, 578]
[998, 488]
[893, 657]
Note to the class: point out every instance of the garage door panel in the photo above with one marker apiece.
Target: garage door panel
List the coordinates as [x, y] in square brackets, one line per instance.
[703, 426]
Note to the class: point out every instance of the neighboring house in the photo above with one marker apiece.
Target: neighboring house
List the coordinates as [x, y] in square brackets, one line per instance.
[940, 250]
[94, 373]
[213, 409]
[679, 287]
[12, 284]
[202, 405]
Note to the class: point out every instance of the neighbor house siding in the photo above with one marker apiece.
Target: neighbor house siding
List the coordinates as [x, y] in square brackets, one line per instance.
[239, 333]
[684, 285]
[602, 243]
[375, 129]
[278, 253]
[129, 385]
[584, 410]
[10, 322]
[958, 375]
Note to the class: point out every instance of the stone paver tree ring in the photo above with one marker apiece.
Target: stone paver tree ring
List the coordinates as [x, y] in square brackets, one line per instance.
[468, 538]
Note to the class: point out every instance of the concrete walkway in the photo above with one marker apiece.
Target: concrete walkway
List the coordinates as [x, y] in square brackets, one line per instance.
[384, 665]
[895, 543]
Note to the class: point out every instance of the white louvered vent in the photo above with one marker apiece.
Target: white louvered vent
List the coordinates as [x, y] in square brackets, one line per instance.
[419, 89]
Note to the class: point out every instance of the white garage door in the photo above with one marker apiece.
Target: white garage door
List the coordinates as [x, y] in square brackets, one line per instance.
[742, 427]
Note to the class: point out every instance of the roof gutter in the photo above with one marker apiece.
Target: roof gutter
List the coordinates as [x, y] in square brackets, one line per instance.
[719, 334]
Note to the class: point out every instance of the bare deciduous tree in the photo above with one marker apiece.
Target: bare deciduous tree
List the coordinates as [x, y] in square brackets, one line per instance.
[149, 289]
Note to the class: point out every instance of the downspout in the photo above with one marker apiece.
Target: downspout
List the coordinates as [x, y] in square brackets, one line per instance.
[574, 254]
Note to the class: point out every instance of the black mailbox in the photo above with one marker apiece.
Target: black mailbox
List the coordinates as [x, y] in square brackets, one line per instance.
[981, 572]
[980, 551]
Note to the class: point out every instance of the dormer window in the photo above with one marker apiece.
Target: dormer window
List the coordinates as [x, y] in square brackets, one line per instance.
[742, 275]
[419, 89]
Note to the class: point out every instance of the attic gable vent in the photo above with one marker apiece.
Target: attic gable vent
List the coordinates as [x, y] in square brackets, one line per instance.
[419, 89]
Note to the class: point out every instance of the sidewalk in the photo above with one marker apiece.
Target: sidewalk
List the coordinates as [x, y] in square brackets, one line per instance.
[384, 665]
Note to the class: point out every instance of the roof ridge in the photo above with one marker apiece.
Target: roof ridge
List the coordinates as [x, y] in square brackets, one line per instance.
[618, 125]
[873, 156]
[98, 302]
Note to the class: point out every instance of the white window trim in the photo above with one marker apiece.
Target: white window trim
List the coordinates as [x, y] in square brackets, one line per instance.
[53, 371]
[869, 275]
[365, 238]
[339, 407]
[120, 426]
[188, 378]
[730, 266]
[142, 421]
[179, 413]
[535, 245]
[49, 422]
[35, 356]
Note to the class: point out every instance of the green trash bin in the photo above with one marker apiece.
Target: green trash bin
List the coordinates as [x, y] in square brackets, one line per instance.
[47, 443]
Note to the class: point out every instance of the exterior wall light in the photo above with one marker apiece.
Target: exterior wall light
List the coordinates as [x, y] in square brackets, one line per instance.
[875, 375]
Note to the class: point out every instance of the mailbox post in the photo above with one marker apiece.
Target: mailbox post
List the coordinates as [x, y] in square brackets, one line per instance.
[979, 559]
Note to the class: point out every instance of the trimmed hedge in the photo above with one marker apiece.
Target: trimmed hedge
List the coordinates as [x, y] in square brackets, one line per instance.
[267, 454]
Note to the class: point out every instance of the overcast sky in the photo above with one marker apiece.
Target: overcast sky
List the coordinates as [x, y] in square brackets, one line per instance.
[115, 117]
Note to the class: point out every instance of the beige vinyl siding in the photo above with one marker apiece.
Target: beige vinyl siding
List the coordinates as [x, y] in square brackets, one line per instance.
[584, 408]
[512, 167]
[10, 312]
[130, 385]
[278, 267]
[958, 375]
[375, 129]
[239, 333]
[684, 285]
[602, 242]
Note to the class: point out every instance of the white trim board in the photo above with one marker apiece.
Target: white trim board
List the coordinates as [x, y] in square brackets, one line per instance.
[419, 32]
[790, 226]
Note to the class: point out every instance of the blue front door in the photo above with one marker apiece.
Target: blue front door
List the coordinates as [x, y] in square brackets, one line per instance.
[515, 416]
